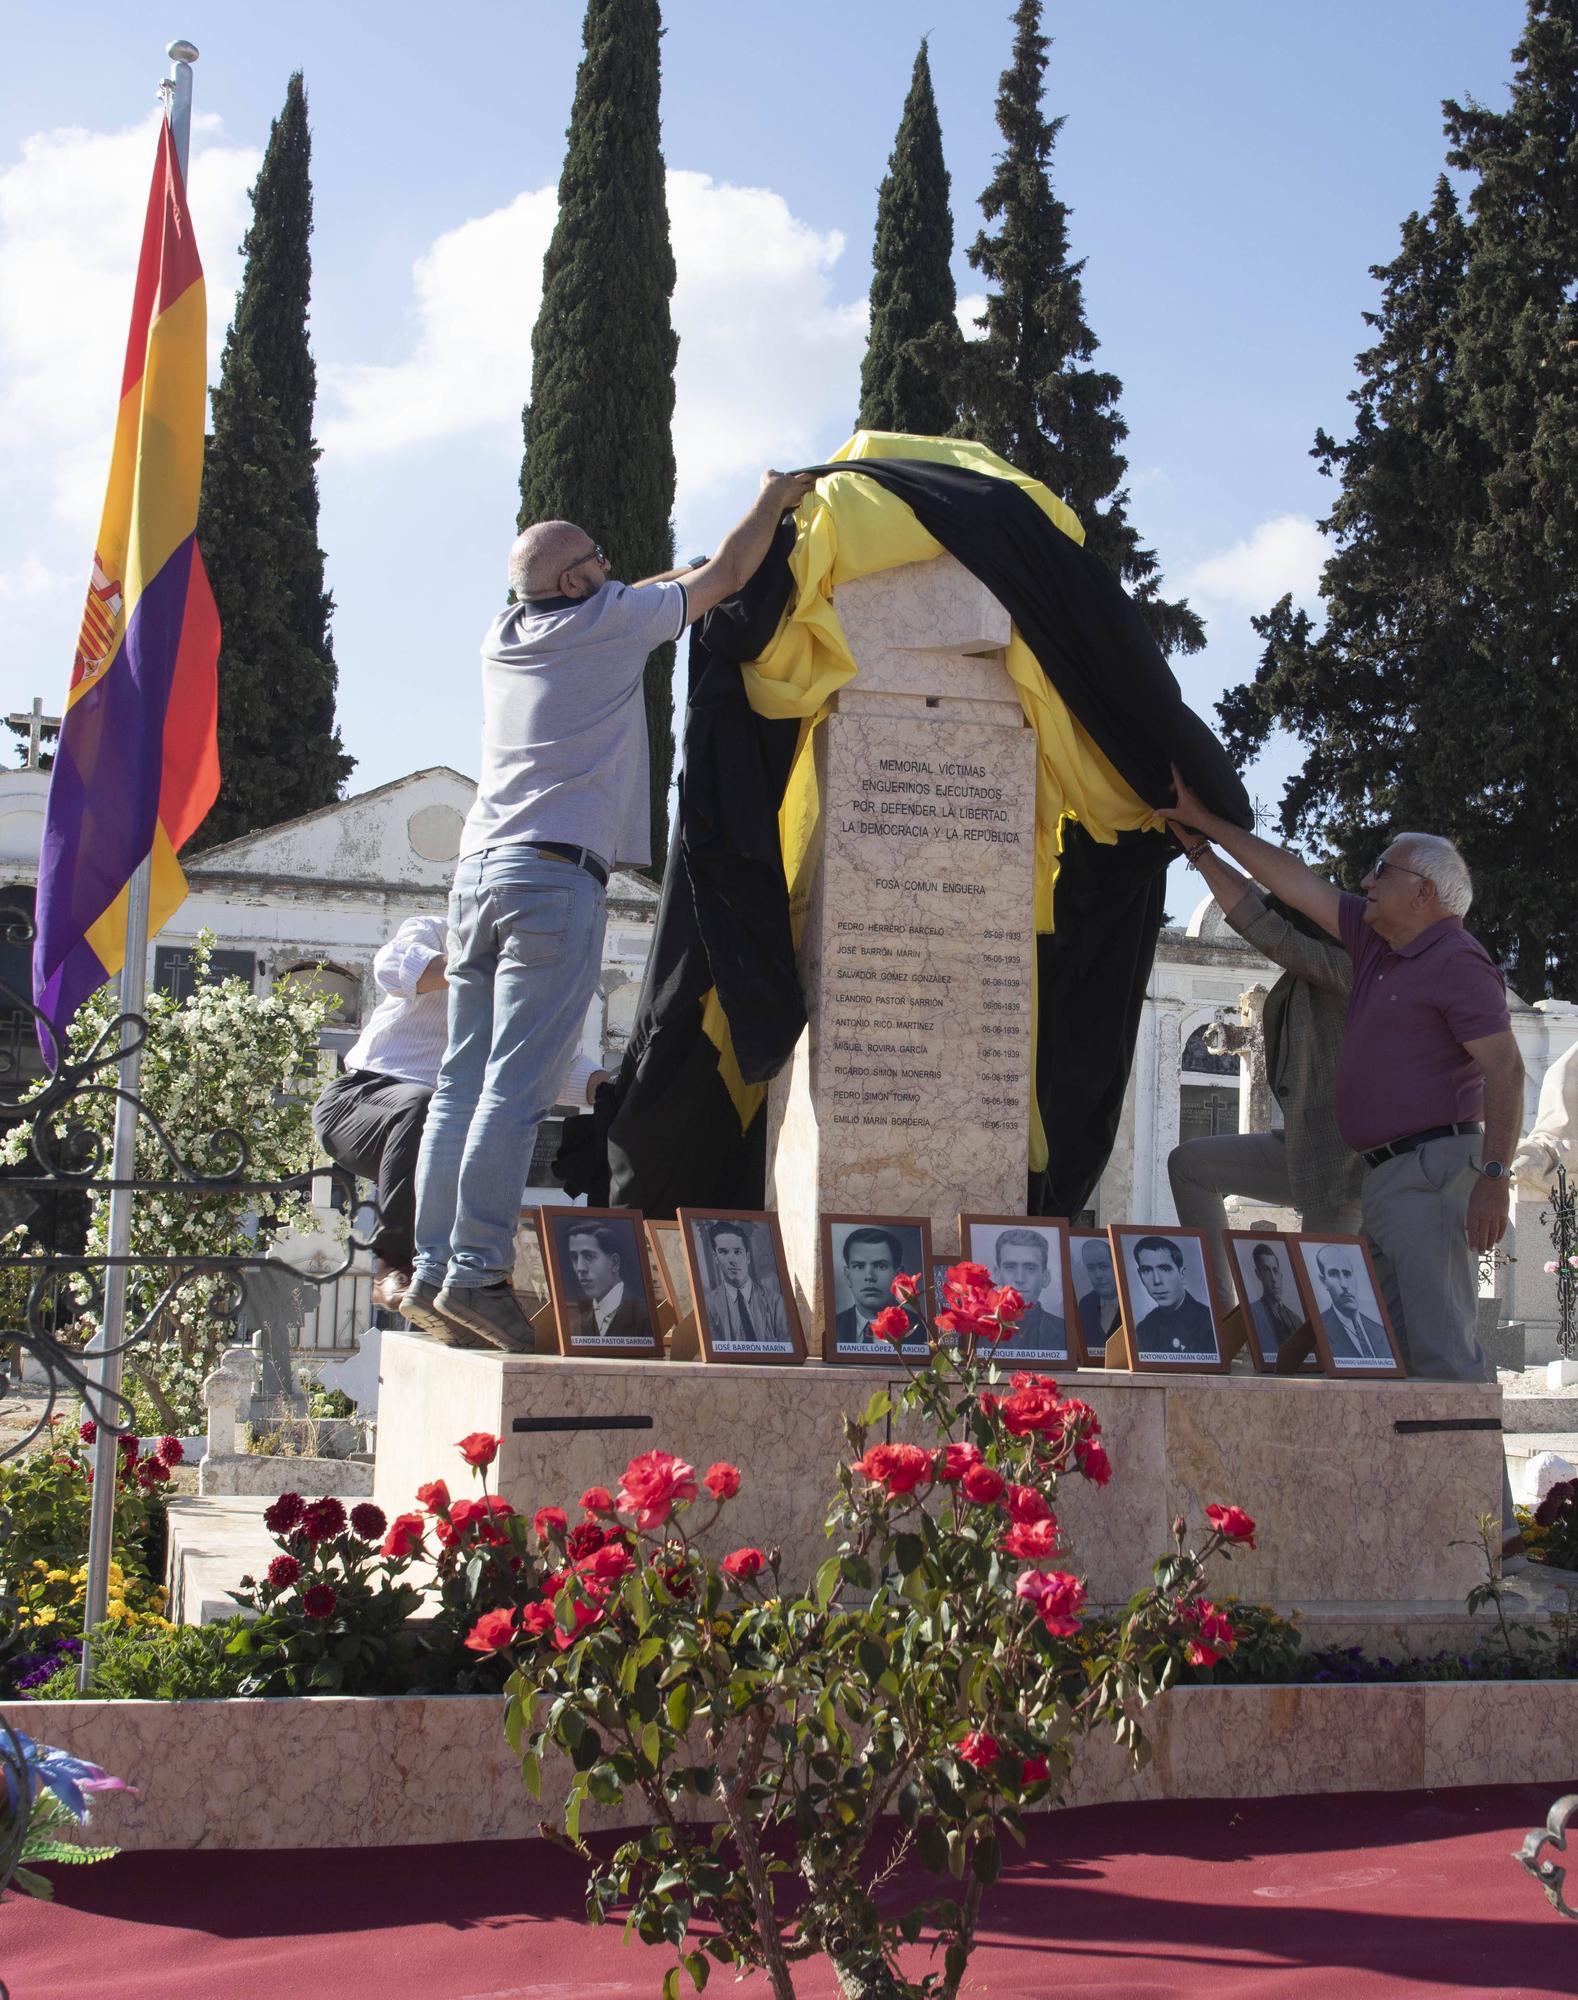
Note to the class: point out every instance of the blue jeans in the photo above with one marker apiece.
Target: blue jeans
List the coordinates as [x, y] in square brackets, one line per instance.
[525, 948]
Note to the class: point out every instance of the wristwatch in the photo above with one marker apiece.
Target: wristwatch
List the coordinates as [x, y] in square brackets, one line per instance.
[1493, 1170]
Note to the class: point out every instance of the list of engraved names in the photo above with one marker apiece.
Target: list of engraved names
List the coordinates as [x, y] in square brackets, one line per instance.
[926, 974]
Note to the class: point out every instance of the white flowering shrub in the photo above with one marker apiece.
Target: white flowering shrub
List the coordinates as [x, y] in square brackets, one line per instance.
[224, 1060]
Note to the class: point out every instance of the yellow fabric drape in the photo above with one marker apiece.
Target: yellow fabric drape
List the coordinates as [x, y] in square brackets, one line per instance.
[850, 527]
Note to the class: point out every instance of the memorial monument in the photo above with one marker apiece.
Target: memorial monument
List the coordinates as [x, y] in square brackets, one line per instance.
[909, 1091]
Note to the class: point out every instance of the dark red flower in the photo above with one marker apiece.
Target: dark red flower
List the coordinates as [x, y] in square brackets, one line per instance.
[1232, 1524]
[983, 1485]
[584, 1539]
[742, 1564]
[1550, 1508]
[283, 1572]
[283, 1515]
[152, 1472]
[493, 1632]
[478, 1448]
[323, 1520]
[368, 1521]
[722, 1480]
[1034, 1771]
[405, 1536]
[88, 1431]
[127, 1445]
[171, 1450]
[1094, 1463]
[978, 1749]
[319, 1601]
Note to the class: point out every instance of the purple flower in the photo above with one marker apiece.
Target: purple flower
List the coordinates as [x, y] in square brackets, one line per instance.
[52, 1770]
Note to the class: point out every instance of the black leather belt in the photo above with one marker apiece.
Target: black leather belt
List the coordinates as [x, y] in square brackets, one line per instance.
[583, 857]
[1417, 1139]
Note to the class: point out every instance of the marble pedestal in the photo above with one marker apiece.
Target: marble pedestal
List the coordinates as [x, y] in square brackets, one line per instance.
[909, 1091]
[1365, 1493]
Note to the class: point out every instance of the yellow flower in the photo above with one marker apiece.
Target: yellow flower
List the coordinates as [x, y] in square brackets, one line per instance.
[41, 1564]
[56, 1576]
[43, 1614]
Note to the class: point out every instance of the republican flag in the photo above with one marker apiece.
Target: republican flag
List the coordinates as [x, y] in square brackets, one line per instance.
[137, 763]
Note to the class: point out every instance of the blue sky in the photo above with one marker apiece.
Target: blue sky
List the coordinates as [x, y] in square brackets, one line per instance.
[1234, 170]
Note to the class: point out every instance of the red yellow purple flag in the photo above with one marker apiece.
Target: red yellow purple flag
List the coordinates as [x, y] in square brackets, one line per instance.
[137, 763]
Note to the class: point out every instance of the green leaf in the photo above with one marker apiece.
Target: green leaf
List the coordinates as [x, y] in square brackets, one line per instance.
[695, 1963]
[531, 1773]
[681, 1705]
[880, 1406]
[988, 1859]
[669, 1990]
[931, 1844]
[652, 1744]
[827, 1579]
[909, 1552]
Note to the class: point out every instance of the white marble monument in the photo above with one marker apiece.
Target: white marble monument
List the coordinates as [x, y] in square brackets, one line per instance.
[909, 1091]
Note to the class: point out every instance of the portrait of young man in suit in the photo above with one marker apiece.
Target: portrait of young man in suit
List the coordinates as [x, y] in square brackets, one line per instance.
[743, 1309]
[612, 1306]
[1023, 1258]
[1176, 1322]
[1276, 1315]
[870, 1258]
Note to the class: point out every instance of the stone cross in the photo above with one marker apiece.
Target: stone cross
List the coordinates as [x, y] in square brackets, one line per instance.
[36, 723]
[1246, 1039]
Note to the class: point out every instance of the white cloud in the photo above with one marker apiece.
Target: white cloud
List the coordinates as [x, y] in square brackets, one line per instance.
[1280, 555]
[768, 359]
[71, 214]
[967, 311]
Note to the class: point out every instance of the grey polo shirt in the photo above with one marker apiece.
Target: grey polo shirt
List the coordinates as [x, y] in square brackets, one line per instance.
[564, 725]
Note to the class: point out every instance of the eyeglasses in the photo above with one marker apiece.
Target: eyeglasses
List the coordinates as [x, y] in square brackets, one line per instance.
[593, 554]
[1383, 868]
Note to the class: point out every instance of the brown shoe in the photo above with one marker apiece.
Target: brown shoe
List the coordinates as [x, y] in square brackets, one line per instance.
[489, 1310]
[418, 1312]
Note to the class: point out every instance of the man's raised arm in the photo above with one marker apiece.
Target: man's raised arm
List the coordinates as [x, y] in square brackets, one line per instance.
[1284, 874]
[744, 548]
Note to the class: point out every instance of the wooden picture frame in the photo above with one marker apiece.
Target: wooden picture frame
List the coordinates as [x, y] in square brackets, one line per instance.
[676, 1308]
[635, 1332]
[1088, 1303]
[911, 1237]
[1035, 1345]
[1332, 1342]
[1193, 1344]
[783, 1344]
[1295, 1353]
[529, 1281]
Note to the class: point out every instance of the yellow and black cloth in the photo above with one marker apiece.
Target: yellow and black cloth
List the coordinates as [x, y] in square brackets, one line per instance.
[722, 1008]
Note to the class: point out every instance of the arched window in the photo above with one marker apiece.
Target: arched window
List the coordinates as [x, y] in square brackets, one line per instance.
[1199, 1061]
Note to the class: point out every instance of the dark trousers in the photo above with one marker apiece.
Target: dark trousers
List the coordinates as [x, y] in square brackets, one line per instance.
[372, 1124]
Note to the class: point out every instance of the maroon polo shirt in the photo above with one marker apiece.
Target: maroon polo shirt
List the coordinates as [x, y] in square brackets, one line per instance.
[1404, 1067]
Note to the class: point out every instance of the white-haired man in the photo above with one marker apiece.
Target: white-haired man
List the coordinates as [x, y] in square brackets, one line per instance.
[563, 798]
[1430, 1081]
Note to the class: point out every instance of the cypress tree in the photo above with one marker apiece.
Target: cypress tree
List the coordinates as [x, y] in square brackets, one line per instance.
[1440, 693]
[1028, 388]
[912, 288]
[279, 747]
[599, 449]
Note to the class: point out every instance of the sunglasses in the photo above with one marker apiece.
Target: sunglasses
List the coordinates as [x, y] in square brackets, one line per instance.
[1385, 868]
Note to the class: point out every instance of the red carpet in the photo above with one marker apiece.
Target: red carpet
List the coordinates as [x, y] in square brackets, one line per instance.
[1353, 1897]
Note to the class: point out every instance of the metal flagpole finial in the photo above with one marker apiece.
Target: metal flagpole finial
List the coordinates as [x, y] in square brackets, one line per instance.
[182, 52]
[177, 94]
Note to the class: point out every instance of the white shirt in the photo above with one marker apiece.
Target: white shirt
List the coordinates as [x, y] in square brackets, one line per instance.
[605, 1307]
[406, 1035]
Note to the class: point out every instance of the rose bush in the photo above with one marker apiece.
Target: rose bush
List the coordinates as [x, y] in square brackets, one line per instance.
[914, 1696]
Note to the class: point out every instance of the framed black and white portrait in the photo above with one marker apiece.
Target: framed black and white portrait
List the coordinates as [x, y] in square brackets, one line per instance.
[1271, 1305]
[1169, 1320]
[1031, 1254]
[1093, 1282]
[739, 1281]
[861, 1256]
[601, 1282]
[1353, 1331]
[529, 1280]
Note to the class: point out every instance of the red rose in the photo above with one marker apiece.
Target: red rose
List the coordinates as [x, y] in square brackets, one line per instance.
[956, 1462]
[1033, 1409]
[1215, 1635]
[171, 1450]
[1034, 1771]
[493, 1632]
[550, 1521]
[722, 1480]
[892, 1323]
[743, 1564]
[1026, 1504]
[585, 1611]
[405, 1536]
[597, 1500]
[478, 1448]
[965, 1278]
[898, 1467]
[1056, 1596]
[906, 1287]
[1029, 1541]
[978, 1749]
[483, 1516]
[323, 1520]
[584, 1539]
[368, 1521]
[434, 1496]
[983, 1485]
[1094, 1463]
[655, 1483]
[1232, 1524]
[319, 1601]
[88, 1431]
[607, 1564]
[283, 1572]
[535, 1620]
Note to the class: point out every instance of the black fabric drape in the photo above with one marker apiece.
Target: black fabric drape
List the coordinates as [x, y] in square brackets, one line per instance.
[723, 919]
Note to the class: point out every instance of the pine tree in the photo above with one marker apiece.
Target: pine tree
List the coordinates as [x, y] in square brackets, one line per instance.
[279, 747]
[1440, 693]
[912, 288]
[1027, 388]
[599, 449]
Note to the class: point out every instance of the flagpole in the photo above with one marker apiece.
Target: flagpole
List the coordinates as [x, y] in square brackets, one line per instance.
[176, 91]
